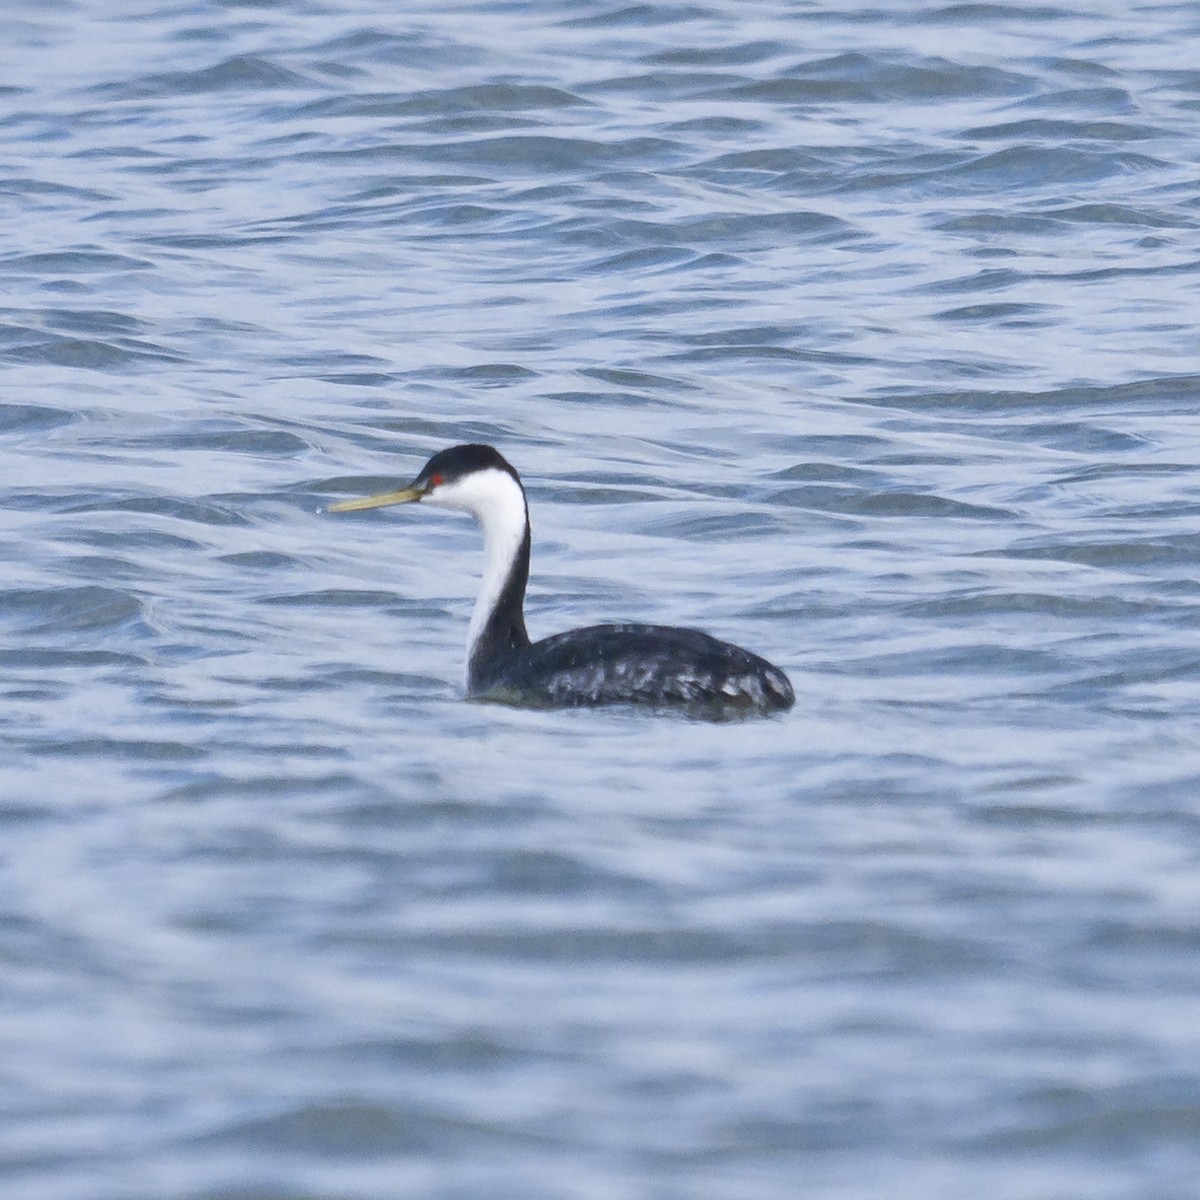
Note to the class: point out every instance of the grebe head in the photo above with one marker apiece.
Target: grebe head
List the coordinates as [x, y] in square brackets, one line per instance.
[475, 479]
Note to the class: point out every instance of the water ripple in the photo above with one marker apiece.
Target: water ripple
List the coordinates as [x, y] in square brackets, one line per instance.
[863, 336]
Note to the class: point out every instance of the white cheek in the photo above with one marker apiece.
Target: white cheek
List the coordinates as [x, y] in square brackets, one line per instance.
[479, 493]
[492, 496]
[446, 496]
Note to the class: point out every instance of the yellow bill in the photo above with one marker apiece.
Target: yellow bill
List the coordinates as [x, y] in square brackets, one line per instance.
[400, 496]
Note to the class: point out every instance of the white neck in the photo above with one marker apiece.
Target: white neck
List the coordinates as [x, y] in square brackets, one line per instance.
[495, 499]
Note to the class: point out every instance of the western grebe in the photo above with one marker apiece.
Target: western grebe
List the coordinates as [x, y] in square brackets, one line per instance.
[602, 664]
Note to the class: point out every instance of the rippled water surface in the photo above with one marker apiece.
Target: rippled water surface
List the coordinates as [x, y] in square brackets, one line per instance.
[866, 337]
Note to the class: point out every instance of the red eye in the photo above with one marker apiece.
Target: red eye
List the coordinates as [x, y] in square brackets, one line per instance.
[437, 480]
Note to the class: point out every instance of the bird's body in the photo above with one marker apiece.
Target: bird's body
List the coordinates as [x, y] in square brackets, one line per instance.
[654, 665]
[635, 664]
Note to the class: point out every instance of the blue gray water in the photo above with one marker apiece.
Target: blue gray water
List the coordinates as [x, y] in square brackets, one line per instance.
[863, 336]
